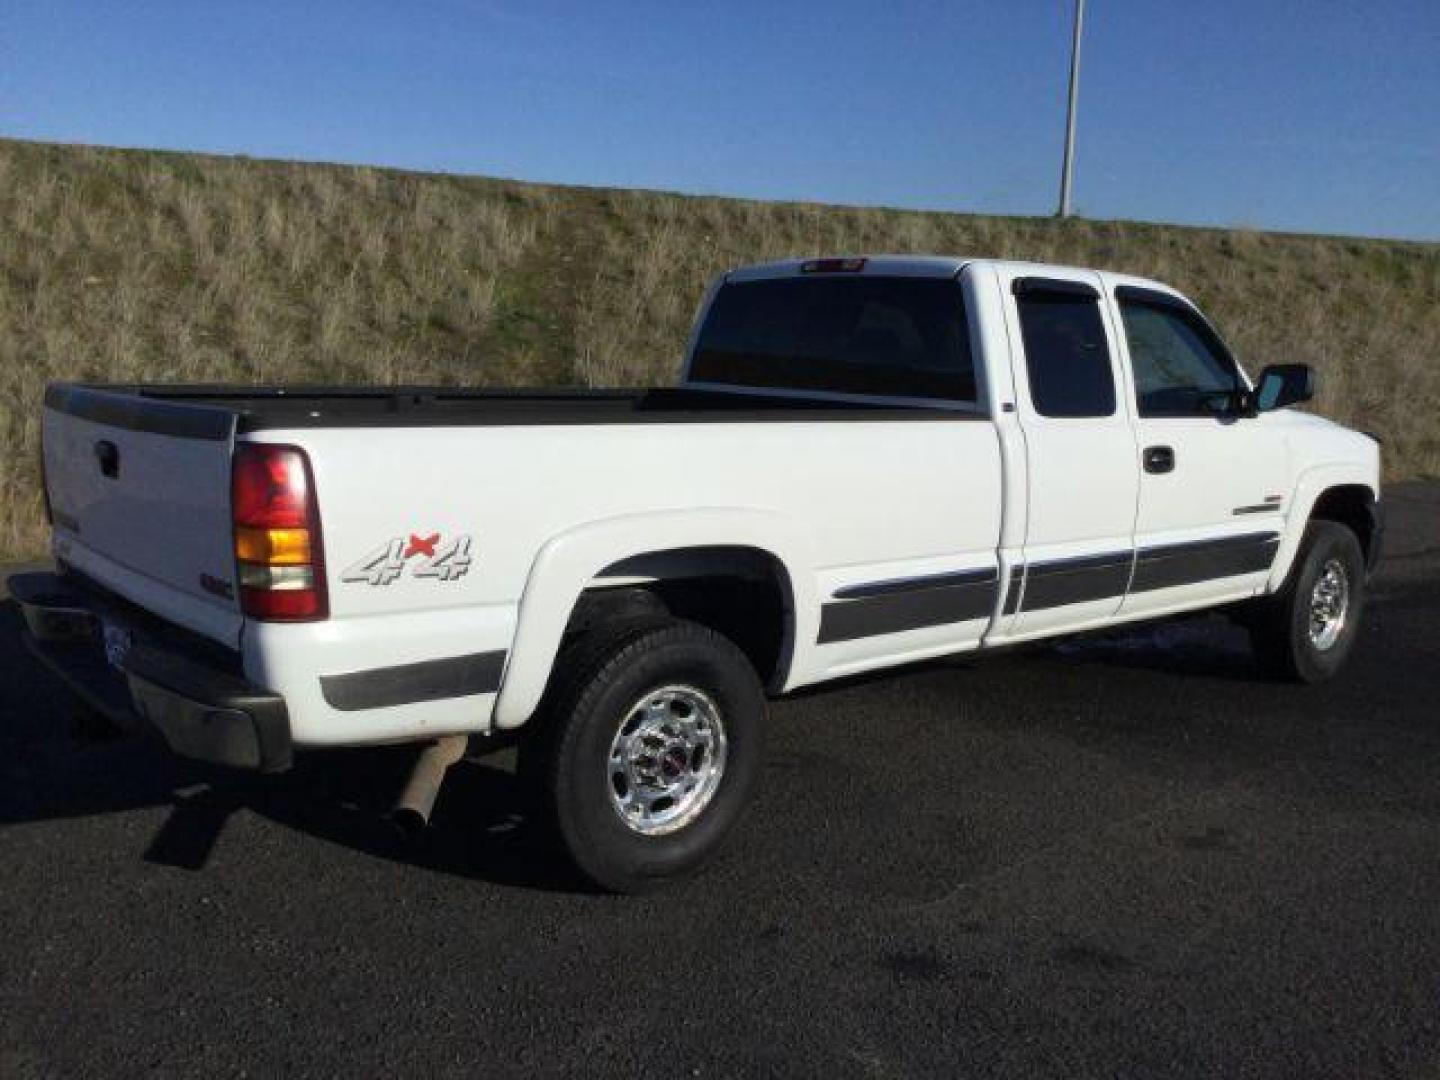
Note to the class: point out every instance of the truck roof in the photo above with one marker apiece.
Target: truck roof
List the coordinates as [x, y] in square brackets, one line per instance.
[931, 266]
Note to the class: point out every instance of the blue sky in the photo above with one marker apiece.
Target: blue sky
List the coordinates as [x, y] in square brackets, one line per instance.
[1278, 114]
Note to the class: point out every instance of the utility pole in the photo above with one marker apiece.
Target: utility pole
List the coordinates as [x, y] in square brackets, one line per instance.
[1067, 172]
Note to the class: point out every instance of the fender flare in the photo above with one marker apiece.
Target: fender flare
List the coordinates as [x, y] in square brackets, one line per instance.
[568, 562]
[1311, 484]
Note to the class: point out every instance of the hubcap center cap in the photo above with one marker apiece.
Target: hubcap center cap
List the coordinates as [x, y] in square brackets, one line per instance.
[673, 763]
[666, 759]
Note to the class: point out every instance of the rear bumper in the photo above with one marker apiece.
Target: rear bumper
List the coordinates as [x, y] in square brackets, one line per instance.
[164, 681]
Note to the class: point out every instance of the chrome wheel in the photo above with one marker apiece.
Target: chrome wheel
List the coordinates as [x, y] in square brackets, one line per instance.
[1329, 605]
[666, 760]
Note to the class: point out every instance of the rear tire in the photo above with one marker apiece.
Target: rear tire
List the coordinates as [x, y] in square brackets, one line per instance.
[1305, 631]
[646, 750]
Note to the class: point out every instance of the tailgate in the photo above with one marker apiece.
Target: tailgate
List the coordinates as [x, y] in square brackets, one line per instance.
[139, 491]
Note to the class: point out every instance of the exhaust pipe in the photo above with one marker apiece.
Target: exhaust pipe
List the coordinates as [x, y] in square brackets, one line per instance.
[412, 811]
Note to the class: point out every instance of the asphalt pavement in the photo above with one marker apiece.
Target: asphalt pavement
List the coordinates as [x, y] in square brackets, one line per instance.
[1131, 855]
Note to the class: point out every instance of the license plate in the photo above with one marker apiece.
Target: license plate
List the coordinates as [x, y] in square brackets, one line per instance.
[117, 645]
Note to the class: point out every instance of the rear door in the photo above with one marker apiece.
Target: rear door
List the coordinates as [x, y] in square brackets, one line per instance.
[1083, 477]
[1212, 484]
[139, 492]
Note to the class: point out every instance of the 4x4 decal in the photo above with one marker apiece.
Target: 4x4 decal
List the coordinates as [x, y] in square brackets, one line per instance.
[446, 561]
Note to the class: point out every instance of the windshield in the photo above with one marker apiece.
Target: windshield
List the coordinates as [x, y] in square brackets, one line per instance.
[885, 336]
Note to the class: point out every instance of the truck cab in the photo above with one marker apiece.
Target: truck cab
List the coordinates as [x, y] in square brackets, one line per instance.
[1145, 473]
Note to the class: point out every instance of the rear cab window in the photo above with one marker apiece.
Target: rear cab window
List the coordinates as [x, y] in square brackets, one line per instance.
[869, 335]
[1067, 359]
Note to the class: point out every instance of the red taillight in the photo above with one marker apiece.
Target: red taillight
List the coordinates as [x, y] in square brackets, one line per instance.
[278, 553]
[271, 488]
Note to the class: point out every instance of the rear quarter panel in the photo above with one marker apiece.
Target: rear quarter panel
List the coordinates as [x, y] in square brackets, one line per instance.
[848, 501]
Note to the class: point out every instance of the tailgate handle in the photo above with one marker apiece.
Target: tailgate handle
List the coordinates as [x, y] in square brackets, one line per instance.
[108, 455]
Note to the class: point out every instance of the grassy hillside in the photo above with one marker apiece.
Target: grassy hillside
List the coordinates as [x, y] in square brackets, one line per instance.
[124, 265]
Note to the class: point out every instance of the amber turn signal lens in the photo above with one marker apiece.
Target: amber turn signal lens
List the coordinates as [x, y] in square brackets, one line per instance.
[272, 547]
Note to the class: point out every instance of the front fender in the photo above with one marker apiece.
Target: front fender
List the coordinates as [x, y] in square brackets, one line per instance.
[570, 561]
[1313, 483]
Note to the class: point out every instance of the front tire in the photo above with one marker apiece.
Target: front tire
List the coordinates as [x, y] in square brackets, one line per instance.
[1305, 632]
[648, 747]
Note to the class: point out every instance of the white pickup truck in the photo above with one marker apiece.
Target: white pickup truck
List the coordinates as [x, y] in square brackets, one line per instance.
[870, 462]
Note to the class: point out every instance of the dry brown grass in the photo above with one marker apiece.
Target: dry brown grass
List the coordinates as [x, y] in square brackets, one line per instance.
[124, 265]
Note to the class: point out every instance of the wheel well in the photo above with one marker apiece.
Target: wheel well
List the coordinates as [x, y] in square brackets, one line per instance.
[1351, 505]
[741, 592]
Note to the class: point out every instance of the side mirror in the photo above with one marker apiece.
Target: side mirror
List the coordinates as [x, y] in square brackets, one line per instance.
[1284, 384]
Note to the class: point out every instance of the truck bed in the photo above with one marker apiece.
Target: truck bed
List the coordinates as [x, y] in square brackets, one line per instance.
[257, 408]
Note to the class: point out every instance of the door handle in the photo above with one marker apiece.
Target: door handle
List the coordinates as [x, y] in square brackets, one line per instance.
[1159, 459]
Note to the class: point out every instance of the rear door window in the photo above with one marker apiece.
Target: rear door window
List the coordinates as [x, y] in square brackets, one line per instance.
[1066, 355]
[883, 336]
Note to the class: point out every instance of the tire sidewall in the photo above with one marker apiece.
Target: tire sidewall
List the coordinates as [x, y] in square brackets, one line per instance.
[1326, 543]
[602, 845]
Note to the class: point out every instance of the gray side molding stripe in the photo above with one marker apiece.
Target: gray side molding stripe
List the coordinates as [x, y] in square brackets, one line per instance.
[409, 684]
[936, 601]
[889, 607]
[1012, 594]
[1076, 581]
[1204, 560]
[914, 584]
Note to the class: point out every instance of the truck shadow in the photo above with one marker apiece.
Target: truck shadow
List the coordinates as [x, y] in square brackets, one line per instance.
[1186, 646]
[51, 767]
[479, 829]
[57, 763]
[1204, 645]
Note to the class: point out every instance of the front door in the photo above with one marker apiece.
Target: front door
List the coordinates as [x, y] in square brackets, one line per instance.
[1080, 455]
[1212, 484]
